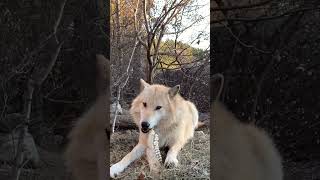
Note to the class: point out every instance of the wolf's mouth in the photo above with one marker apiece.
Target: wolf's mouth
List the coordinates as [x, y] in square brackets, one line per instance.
[145, 130]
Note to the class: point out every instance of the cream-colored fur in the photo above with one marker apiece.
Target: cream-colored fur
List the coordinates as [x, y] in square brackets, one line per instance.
[175, 122]
[86, 152]
[242, 151]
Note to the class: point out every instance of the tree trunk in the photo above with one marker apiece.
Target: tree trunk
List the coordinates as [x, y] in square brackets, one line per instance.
[36, 80]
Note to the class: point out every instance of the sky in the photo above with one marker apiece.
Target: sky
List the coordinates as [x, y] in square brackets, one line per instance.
[203, 25]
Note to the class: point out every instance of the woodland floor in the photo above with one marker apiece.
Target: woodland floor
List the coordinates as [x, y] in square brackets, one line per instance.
[194, 159]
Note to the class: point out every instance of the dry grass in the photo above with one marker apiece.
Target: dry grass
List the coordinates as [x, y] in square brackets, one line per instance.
[194, 159]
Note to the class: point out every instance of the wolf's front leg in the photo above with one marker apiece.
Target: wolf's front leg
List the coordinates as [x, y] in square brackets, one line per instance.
[136, 153]
[171, 159]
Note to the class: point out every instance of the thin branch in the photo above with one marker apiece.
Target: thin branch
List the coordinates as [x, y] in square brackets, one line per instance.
[135, 24]
[157, 47]
[123, 85]
[267, 18]
[176, 55]
[245, 44]
[246, 6]
[145, 16]
[23, 64]
[63, 101]
[184, 29]
[195, 78]
[166, 17]
[57, 23]
[275, 57]
[5, 99]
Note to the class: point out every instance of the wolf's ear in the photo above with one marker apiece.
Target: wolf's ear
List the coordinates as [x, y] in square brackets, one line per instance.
[174, 91]
[143, 84]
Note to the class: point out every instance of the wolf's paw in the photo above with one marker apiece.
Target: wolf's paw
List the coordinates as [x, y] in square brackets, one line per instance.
[115, 170]
[171, 162]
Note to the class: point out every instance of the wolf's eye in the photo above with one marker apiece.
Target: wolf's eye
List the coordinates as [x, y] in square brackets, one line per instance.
[158, 107]
[145, 104]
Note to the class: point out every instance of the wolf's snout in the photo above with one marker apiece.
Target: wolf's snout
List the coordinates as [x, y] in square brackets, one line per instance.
[145, 127]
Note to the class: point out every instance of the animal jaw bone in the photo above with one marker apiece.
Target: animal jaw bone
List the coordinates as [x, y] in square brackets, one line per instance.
[153, 153]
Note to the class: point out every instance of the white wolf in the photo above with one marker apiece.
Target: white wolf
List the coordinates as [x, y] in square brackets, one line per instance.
[172, 117]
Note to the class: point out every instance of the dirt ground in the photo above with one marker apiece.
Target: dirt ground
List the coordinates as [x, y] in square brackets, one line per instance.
[194, 159]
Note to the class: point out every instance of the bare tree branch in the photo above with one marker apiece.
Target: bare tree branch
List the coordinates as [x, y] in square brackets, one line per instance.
[267, 18]
[246, 6]
[245, 44]
[123, 85]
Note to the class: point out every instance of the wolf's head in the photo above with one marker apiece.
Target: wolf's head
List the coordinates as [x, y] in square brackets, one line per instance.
[155, 104]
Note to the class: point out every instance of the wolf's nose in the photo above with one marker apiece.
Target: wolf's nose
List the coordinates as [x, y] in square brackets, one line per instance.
[145, 125]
